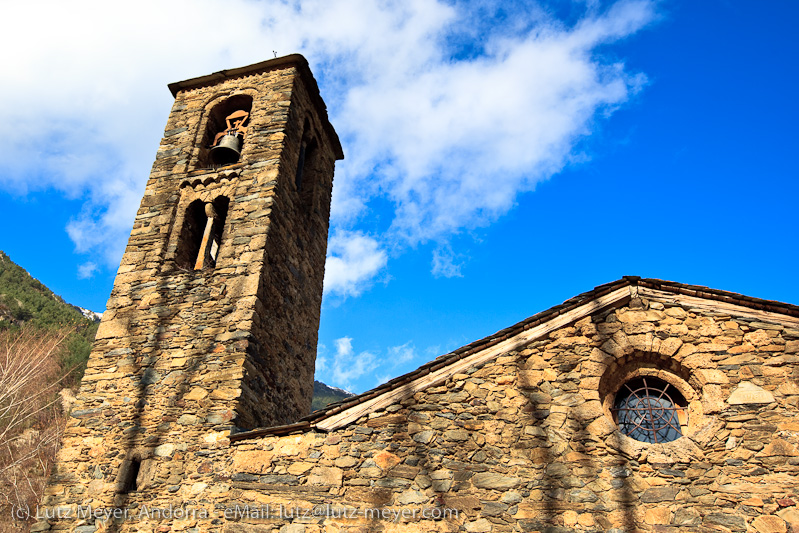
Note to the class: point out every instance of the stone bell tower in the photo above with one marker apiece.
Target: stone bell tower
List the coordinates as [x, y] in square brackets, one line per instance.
[212, 323]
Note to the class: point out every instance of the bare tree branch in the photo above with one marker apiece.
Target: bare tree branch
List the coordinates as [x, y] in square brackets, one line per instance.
[31, 422]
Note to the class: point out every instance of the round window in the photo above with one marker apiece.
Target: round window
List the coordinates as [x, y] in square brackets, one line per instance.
[651, 410]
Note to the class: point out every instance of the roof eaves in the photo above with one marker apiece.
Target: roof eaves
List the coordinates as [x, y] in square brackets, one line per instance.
[445, 360]
[699, 291]
[311, 421]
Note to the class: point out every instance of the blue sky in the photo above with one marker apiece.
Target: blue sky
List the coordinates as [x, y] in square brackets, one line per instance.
[498, 160]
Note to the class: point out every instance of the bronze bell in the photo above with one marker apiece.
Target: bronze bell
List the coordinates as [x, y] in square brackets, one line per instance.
[227, 150]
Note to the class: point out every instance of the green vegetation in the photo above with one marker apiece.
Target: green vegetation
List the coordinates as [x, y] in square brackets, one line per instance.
[26, 301]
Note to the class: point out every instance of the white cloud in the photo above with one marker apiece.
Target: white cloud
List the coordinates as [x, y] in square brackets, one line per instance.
[353, 260]
[404, 353]
[347, 366]
[444, 262]
[447, 110]
[359, 371]
[87, 270]
[431, 352]
[464, 138]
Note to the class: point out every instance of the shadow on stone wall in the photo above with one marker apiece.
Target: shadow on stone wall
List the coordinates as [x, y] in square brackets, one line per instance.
[585, 479]
[157, 403]
[576, 466]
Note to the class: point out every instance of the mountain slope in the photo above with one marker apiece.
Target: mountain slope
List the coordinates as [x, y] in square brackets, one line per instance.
[25, 301]
[324, 395]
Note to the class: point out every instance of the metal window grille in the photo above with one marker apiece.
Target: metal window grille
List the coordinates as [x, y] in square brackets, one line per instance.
[650, 410]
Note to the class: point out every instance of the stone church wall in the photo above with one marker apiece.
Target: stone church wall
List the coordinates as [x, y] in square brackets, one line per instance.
[527, 443]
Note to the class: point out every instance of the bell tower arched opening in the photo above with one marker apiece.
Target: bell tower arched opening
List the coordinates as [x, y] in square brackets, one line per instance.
[225, 132]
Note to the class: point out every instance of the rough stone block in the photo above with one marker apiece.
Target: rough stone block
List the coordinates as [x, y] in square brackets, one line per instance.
[491, 480]
[325, 476]
[253, 461]
[769, 524]
[749, 393]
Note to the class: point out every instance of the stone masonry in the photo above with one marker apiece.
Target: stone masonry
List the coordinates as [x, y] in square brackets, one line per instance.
[514, 432]
[185, 355]
[522, 442]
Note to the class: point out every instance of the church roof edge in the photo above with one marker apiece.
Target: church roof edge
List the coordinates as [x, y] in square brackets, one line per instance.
[650, 285]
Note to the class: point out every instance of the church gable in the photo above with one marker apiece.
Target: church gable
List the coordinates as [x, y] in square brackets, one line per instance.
[650, 330]
[530, 438]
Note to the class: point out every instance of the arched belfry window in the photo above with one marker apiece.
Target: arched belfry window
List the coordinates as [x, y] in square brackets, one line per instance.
[226, 132]
[201, 236]
[191, 235]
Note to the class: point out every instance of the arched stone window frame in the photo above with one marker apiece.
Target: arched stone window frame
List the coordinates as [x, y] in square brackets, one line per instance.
[686, 380]
[213, 115]
[214, 196]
